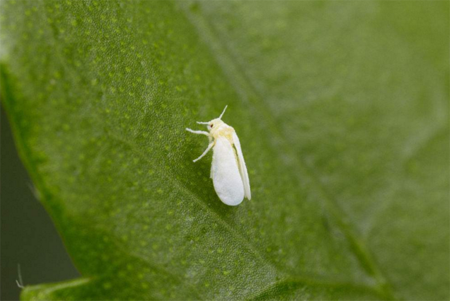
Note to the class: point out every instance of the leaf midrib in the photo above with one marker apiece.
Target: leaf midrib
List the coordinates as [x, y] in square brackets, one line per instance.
[284, 277]
[195, 198]
[248, 93]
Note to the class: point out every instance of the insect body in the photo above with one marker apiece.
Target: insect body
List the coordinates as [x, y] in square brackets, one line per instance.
[228, 170]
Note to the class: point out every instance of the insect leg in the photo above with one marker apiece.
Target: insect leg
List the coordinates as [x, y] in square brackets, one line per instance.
[198, 132]
[206, 151]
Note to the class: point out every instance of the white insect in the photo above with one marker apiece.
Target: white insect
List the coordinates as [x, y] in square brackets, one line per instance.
[228, 170]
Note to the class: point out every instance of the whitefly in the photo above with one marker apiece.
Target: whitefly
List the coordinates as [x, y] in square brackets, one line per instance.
[228, 169]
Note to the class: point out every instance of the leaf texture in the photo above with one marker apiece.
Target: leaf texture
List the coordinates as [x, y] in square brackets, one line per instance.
[341, 109]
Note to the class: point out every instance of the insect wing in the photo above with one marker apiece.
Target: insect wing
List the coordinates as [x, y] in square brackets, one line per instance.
[242, 167]
[225, 173]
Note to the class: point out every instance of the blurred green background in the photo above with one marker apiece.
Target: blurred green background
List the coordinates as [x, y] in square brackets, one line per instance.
[28, 236]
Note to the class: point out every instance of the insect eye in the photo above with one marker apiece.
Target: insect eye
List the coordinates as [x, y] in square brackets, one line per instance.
[211, 125]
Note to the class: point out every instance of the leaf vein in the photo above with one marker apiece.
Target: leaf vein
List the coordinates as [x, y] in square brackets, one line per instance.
[249, 94]
[195, 198]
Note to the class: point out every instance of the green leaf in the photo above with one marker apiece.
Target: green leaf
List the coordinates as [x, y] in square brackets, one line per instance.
[342, 112]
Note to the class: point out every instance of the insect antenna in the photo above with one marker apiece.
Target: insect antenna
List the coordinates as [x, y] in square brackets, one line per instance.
[220, 117]
[201, 122]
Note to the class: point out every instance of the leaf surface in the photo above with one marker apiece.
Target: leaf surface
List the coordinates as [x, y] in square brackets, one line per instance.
[342, 113]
